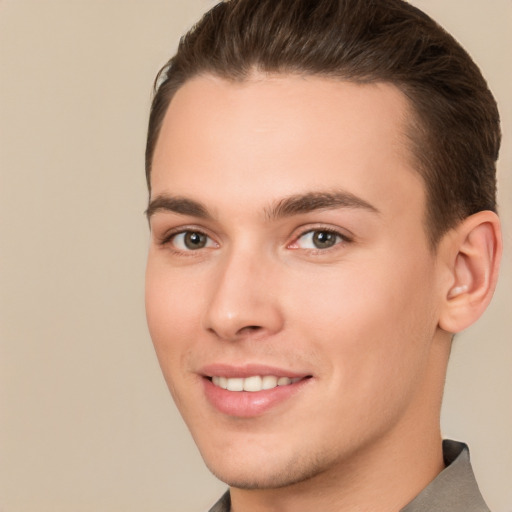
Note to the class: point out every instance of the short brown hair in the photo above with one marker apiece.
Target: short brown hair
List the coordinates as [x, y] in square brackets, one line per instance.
[455, 132]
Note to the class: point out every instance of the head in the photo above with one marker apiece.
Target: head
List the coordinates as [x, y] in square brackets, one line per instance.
[321, 180]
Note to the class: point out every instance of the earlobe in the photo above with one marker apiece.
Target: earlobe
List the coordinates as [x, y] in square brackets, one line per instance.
[473, 259]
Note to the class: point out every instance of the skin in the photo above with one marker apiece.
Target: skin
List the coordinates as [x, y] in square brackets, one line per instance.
[361, 318]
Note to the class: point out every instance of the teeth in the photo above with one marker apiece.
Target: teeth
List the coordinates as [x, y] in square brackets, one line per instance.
[253, 383]
[269, 382]
[235, 384]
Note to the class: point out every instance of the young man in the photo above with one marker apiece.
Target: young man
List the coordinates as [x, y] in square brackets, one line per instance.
[322, 211]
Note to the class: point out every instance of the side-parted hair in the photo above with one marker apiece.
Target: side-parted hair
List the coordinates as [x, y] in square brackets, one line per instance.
[454, 128]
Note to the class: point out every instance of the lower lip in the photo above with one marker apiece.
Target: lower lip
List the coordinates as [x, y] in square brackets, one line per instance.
[247, 404]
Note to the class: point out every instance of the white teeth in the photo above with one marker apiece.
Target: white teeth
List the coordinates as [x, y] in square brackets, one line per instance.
[222, 382]
[253, 383]
[269, 382]
[235, 384]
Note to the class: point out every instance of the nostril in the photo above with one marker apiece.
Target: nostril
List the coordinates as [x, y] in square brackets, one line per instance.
[249, 329]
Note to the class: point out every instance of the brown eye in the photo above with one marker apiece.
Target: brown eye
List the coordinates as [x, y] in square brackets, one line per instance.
[191, 241]
[195, 240]
[324, 239]
[319, 239]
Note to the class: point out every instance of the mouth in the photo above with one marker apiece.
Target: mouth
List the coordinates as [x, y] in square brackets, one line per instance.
[252, 390]
[253, 383]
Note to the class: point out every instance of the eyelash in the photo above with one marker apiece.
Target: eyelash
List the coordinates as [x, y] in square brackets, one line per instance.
[168, 238]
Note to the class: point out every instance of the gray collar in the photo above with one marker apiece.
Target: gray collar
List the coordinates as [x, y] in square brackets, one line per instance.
[454, 489]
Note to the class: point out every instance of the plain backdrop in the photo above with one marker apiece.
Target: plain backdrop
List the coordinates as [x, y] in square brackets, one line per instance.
[86, 422]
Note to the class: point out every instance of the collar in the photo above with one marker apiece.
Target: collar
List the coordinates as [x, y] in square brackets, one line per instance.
[454, 489]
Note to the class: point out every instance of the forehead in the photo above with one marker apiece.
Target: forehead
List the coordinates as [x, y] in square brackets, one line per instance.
[284, 134]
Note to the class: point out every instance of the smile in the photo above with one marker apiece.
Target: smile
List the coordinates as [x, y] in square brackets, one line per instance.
[251, 395]
[253, 383]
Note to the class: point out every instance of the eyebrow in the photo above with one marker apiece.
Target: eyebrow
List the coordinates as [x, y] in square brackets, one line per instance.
[180, 205]
[286, 207]
[312, 201]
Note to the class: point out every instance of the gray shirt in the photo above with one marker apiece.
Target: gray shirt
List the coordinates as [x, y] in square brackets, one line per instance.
[453, 490]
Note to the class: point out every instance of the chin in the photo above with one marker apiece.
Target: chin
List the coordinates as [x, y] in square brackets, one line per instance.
[270, 474]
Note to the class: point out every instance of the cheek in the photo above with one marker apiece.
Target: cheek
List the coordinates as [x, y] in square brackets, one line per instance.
[375, 321]
[171, 307]
[372, 333]
[171, 311]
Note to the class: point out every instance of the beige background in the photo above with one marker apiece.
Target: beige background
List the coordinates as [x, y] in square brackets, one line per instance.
[86, 423]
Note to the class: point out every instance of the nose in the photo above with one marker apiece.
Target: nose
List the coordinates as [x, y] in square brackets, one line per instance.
[244, 300]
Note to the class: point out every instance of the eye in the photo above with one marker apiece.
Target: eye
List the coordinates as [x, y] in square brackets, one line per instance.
[191, 241]
[318, 239]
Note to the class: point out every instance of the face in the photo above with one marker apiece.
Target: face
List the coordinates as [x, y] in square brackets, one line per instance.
[291, 292]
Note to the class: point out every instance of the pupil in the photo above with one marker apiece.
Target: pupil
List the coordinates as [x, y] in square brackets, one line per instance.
[324, 239]
[195, 240]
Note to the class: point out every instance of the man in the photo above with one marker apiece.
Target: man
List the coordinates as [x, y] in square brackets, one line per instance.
[322, 212]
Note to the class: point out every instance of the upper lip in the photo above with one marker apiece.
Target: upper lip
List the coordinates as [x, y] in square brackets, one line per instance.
[248, 370]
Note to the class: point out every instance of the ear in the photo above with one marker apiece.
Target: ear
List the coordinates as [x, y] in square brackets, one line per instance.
[472, 253]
